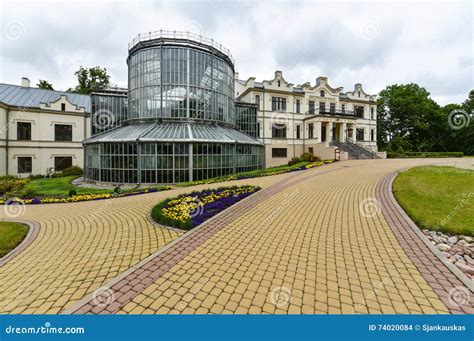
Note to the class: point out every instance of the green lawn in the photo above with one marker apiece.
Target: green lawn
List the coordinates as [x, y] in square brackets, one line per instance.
[11, 234]
[59, 187]
[438, 198]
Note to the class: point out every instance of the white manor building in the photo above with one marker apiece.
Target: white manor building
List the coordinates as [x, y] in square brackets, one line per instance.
[318, 119]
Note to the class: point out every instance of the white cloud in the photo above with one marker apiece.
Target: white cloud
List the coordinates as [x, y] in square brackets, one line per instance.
[377, 44]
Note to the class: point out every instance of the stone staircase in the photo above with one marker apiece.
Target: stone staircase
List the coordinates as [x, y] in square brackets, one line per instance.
[355, 150]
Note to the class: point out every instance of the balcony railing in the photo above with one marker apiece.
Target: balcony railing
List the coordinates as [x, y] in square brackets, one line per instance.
[181, 35]
[333, 112]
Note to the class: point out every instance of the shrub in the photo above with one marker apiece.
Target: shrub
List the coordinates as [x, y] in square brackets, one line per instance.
[424, 155]
[29, 194]
[117, 189]
[72, 192]
[12, 185]
[306, 157]
[73, 170]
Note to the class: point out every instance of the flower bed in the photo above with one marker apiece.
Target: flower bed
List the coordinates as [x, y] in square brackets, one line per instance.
[99, 196]
[189, 210]
[82, 197]
[259, 173]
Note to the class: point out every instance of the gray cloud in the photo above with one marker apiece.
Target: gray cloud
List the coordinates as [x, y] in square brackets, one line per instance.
[429, 43]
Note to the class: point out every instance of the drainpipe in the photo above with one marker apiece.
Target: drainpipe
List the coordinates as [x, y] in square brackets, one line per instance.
[7, 125]
[263, 134]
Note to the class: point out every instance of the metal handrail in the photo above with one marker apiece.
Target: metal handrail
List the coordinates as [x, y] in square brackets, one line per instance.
[336, 111]
[183, 35]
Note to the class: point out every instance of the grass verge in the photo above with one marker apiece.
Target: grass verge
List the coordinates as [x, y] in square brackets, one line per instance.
[11, 234]
[438, 198]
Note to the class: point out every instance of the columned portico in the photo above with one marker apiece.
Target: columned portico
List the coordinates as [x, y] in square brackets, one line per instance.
[329, 136]
[342, 132]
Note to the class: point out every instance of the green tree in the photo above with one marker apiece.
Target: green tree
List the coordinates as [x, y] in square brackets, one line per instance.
[406, 115]
[91, 79]
[44, 84]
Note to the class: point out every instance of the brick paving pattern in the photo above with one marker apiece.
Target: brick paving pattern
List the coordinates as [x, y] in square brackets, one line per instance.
[438, 276]
[300, 246]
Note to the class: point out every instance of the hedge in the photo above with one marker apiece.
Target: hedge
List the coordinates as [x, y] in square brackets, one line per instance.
[424, 155]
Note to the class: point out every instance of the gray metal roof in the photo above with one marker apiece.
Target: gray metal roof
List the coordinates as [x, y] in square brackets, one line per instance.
[26, 97]
[174, 132]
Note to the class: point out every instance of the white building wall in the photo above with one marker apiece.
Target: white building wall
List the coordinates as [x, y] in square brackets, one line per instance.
[42, 147]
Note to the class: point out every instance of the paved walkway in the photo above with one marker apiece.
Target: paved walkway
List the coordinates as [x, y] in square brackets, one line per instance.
[303, 245]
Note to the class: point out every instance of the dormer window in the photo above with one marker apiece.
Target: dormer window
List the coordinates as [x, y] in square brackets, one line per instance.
[279, 83]
[321, 93]
[63, 106]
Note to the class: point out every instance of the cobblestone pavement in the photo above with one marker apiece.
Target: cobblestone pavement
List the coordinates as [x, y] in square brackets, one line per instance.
[310, 243]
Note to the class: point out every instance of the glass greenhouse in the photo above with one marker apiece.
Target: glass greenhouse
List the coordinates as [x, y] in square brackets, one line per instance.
[181, 121]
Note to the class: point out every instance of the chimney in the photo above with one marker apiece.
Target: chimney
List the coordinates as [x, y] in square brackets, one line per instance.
[25, 82]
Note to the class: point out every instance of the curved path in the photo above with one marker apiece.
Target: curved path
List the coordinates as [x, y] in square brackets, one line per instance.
[301, 245]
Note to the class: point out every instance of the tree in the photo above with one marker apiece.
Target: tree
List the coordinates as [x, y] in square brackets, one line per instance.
[91, 79]
[44, 84]
[406, 115]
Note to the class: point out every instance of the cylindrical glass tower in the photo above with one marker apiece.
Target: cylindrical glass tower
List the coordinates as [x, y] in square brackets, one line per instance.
[181, 116]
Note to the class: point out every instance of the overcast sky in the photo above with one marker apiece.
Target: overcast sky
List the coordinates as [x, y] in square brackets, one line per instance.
[373, 43]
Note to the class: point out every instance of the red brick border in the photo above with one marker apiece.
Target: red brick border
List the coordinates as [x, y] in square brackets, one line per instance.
[33, 231]
[445, 279]
[132, 282]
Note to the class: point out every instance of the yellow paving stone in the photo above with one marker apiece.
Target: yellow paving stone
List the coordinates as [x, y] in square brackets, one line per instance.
[317, 243]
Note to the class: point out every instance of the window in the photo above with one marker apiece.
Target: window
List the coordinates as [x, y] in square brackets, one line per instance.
[62, 132]
[298, 131]
[279, 83]
[311, 107]
[278, 104]
[360, 134]
[24, 164]
[23, 131]
[311, 150]
[372, 135]
[63, 106]
[321, 93]
[323, 133]
[372, 113]
[310, 131]
[298, 106]
[322, 107]
[62, 162]
[343, 108]
[278, 152]
[257, 101]
[258, 129]
[359, 111]
[279, 131]
[358, 94]
[332, 108]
